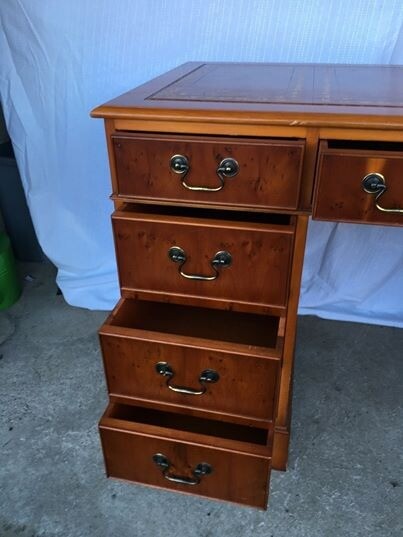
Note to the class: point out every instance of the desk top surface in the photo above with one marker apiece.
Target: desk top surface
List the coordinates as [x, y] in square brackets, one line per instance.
[304, 91]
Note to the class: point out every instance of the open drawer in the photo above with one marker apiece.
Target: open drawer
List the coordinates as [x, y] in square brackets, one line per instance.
[359, 182]
[186, 454]
[212, 256]
[222, 362]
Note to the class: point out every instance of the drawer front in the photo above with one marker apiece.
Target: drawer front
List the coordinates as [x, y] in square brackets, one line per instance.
[343, 195]
[268, 175]
[185, 467]
[259, 258]
[198, 378]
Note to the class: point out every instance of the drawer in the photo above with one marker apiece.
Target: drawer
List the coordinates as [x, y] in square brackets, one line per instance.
[266, 173]
[173, 254]
[360, 182]
[186, 454]
[218, 361]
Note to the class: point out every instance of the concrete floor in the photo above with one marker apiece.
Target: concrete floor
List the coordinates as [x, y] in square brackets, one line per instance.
[345, 474]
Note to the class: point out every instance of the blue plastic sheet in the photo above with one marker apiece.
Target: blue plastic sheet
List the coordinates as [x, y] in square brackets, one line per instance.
[59, 59]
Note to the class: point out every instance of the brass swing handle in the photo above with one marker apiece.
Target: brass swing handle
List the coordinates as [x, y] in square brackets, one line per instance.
[201, 469]
[374, 183]
[206, 376]
[221, 259]
[228, 167]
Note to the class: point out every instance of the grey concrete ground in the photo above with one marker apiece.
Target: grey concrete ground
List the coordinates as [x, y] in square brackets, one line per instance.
[345, 475]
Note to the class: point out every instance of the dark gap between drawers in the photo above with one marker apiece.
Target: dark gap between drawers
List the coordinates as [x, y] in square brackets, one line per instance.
[182, 422]
[228, 138]
[206, 323]
[214, 214]
[365, 145]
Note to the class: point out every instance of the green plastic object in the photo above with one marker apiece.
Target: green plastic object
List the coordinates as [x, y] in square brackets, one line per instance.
[10, 288]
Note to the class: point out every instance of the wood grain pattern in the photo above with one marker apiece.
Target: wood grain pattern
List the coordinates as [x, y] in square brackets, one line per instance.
[260, 254]
[280, 446]
[268, 177]
[237, 476]
[339, 194]
[247, 384]
[353, 96]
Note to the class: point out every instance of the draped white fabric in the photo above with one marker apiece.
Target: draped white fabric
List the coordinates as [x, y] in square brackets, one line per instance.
[59, 59]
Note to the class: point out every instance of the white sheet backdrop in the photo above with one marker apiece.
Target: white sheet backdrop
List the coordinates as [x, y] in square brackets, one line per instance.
[61, 58]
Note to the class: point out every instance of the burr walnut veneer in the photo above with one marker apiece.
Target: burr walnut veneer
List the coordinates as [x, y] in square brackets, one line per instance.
[215, 169]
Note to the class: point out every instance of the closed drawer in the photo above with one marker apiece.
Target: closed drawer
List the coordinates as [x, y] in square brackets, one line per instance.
[168, 255]
[218, 361]
[268, 171]
[186, 454]
[360, 182]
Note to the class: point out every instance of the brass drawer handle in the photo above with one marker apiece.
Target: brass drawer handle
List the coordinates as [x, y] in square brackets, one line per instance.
[228, 167]
[206, 376]
[203, 468]
[221, 259]
[374, 183]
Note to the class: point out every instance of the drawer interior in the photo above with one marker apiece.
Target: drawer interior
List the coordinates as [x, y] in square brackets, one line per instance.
[213, 214]
[207, 323]
[189, 424]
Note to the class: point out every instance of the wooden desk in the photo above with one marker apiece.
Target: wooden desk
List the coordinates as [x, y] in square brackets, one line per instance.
[215, 169]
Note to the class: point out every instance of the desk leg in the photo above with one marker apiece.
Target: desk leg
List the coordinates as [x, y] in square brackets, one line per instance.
[283, 419]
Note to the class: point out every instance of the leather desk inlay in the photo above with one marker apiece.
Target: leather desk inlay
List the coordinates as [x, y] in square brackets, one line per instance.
[215, 170]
